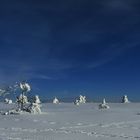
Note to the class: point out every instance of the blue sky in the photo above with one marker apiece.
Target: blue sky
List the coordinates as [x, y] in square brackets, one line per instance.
[67, 47]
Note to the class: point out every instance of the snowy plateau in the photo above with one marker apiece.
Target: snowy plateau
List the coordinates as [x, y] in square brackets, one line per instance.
[67, 121]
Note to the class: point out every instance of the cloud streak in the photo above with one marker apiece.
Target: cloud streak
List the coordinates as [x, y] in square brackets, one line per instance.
[111, 53]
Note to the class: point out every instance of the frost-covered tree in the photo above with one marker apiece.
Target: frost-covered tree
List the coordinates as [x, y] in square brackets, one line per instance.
[21, 99]
[55, 101]
[37, 100]
[8, 101]
[104, 105]
[35, 106]
[82, 99]
[125, 99]
[77, 102]
[25, 88]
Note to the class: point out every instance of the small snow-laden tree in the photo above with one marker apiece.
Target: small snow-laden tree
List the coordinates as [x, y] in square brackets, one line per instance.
[8, 101]
[125, 99]
[82, 99]
[25, 88]
[37, 100]
[21, 87]
[21, 99]
[77, 102]
[104, 105]
[35, 106]
[55, 101]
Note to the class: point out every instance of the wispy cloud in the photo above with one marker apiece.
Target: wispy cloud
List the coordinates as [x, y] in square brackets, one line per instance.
[110, 54]
[40, 76]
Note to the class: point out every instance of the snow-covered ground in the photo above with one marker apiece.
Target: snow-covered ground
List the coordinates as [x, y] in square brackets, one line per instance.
[67, 121]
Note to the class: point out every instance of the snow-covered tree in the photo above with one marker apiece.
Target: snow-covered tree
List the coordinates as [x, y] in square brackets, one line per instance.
[8, 101]
[22, 100]
[37, 100]
[25, 88]
[35, 108]
[82, 99]
[77, 102]
[55, 101]
[125, 99]
[104, 105]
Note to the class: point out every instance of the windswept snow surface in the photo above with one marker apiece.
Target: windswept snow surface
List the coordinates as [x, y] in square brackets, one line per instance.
[66, 121]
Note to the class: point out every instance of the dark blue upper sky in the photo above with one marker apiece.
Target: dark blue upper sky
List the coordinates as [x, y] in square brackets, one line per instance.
[67, 47]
